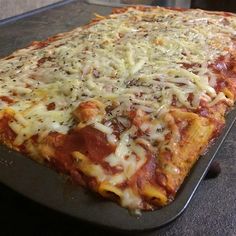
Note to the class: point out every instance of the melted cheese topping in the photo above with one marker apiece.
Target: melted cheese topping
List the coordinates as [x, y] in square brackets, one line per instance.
[136, 60]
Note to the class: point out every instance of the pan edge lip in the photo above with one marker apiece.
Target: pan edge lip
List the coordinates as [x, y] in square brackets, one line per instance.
[223, 135]
[171, 211]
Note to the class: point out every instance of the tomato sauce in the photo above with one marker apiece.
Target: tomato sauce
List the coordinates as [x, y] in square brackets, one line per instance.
[5, 130]
[145, 173]
[51, 106]
[225, 69]
[45, 43]
[43, 60]
[89, 141]
[6, 99]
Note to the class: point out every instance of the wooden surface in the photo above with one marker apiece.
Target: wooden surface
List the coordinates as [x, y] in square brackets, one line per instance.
[10, 8]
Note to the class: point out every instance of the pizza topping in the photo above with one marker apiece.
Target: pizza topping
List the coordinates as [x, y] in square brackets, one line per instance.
[102, 99]
[51, 106]
[103, 128]
[6, 99]
[89, 111]
[111, 66]
[129, 155]
[131, 200]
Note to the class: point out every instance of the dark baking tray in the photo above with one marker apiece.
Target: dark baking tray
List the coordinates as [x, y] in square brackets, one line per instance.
[47, 187]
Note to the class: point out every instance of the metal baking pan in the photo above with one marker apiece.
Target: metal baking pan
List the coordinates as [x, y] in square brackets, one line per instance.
[53, 190]
[122, 3]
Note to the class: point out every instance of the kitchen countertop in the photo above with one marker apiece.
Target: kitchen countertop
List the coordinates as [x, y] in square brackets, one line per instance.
[10, 8]
[212, 211]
